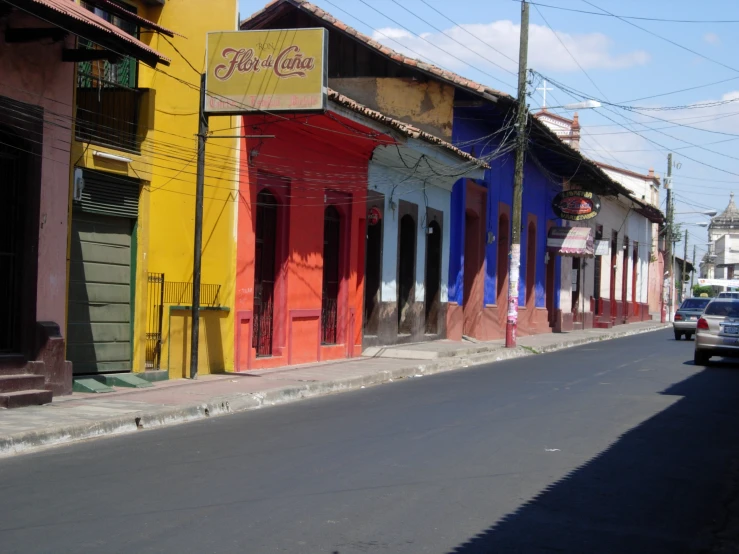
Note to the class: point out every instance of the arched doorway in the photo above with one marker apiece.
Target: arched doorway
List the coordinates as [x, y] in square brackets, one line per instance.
[614, 265]
[432, 285]
[373, 271]
[502, 262]
[406, 272]
[530, 264]
[265, 269]
[331, 275]
[14, 242]
[625, 278]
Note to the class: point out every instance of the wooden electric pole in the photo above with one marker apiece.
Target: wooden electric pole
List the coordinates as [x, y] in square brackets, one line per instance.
[684, 276]
[521, 121]
[692, 274]
[669, 250]
[198, 252]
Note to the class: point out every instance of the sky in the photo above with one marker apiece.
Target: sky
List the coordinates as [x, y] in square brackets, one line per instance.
[627, 64]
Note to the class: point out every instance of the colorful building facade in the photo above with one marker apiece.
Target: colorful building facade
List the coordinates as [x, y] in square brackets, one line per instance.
[134, 210]
[42, 44]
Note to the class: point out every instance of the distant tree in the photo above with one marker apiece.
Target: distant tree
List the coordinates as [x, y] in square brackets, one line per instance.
[698, 290]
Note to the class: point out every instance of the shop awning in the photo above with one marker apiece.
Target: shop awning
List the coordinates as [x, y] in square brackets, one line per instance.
[576, 242]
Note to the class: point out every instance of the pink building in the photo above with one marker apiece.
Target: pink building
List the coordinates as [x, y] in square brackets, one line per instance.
[43, 40]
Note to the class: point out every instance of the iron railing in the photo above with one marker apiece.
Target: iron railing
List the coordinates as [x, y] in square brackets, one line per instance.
[263, 318]
[175, 293]
[154, 320]
[329, 320]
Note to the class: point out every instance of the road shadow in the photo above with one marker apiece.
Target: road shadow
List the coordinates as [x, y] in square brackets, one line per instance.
[658, 489]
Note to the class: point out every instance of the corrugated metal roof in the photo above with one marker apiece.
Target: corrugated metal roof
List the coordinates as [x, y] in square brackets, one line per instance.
[72, 11]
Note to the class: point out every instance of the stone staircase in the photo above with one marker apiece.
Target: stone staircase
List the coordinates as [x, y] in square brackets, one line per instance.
[22, 383]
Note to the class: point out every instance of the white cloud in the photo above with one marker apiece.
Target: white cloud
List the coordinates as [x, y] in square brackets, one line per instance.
[630, 148]
[546, 52]
[711, 38]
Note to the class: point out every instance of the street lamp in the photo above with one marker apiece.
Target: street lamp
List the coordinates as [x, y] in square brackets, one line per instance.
[710, 213]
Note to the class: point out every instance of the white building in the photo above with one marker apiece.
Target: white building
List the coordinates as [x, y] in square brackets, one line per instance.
[624, 282]
[722, 259]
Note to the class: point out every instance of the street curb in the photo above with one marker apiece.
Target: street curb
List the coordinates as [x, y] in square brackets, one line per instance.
[32, 441]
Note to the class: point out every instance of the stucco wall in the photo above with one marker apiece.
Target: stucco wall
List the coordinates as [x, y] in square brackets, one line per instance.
[428, 106]
[34, 73]
[395, 186]
[614, 216]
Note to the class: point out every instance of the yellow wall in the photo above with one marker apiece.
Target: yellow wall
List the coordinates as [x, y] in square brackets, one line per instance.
[167, 165]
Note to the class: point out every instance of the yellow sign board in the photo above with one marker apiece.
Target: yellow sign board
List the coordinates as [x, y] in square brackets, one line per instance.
[281, 70]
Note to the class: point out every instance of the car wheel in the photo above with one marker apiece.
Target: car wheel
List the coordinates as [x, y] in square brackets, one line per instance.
[678, 334]
[688, 336]
[701, 358]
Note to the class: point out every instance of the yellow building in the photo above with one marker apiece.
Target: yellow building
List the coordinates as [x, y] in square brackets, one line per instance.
[132, 201]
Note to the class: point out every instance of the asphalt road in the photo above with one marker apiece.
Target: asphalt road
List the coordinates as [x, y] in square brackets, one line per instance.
[618, 447]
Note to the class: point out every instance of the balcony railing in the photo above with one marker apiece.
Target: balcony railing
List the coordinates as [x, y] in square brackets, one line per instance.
[109, 116]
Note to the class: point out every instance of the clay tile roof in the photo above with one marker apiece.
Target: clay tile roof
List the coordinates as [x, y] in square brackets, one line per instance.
[405, 128]
[73, 17]
[112, 7]
[381, 48]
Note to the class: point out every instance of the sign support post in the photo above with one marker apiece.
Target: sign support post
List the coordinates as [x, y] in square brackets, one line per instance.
[198, 253]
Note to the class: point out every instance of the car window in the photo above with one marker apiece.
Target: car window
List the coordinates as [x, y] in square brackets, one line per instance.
[728, 295]
[723, 309]
[695, 303]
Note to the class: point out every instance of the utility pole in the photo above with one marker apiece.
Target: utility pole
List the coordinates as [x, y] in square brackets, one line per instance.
[669, 253]
[684, 276]
[521, 120]
[692, 275]
[198, 252]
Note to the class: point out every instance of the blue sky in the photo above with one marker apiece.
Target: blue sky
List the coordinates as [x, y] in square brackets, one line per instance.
[620, 63]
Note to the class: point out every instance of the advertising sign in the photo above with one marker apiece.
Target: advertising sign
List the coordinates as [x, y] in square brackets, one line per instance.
[282, 70]
[719, 282]
[576, 205]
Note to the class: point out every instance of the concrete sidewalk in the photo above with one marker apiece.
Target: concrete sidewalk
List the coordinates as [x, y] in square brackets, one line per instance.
[85, 416]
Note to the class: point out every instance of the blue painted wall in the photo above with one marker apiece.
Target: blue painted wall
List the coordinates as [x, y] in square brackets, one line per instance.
[475, 131]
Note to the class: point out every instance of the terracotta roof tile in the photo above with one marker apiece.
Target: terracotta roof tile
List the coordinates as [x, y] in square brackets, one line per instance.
[405, 128]
[72, 10]
[411, 62]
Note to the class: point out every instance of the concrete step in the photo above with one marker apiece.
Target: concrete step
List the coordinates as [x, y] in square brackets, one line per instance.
[603, 324]
[24, 398]
[15, 383]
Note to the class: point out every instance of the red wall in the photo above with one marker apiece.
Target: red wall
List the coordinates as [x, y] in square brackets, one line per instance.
[312, 162]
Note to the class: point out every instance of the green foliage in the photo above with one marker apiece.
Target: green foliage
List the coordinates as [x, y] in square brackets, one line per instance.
[698, 290]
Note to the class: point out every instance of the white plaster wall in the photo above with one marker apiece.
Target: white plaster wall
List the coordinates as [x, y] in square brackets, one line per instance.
[396, 186]
[614, 216]
[642, 188]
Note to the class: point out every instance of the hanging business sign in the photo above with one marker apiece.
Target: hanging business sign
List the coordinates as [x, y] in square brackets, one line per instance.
[576, 205]
[374, 216]
[602, 247]
[282, 70]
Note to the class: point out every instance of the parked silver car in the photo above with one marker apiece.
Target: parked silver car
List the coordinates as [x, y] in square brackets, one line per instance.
[686, 317]
[717, 332]
[728, 295]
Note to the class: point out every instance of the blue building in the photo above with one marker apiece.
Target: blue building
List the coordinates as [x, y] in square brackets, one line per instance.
[480, 234]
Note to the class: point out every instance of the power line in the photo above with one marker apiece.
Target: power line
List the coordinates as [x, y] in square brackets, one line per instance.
[642, 18]
[414, 14]
[694, 52]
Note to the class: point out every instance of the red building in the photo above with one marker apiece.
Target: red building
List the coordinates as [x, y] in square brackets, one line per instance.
[302, 232]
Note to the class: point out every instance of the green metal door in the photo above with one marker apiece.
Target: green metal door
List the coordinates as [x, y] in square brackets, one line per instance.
[101, 280]
[99, 321]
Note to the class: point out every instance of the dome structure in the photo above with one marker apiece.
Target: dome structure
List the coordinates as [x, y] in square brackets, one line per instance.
[728, 219]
